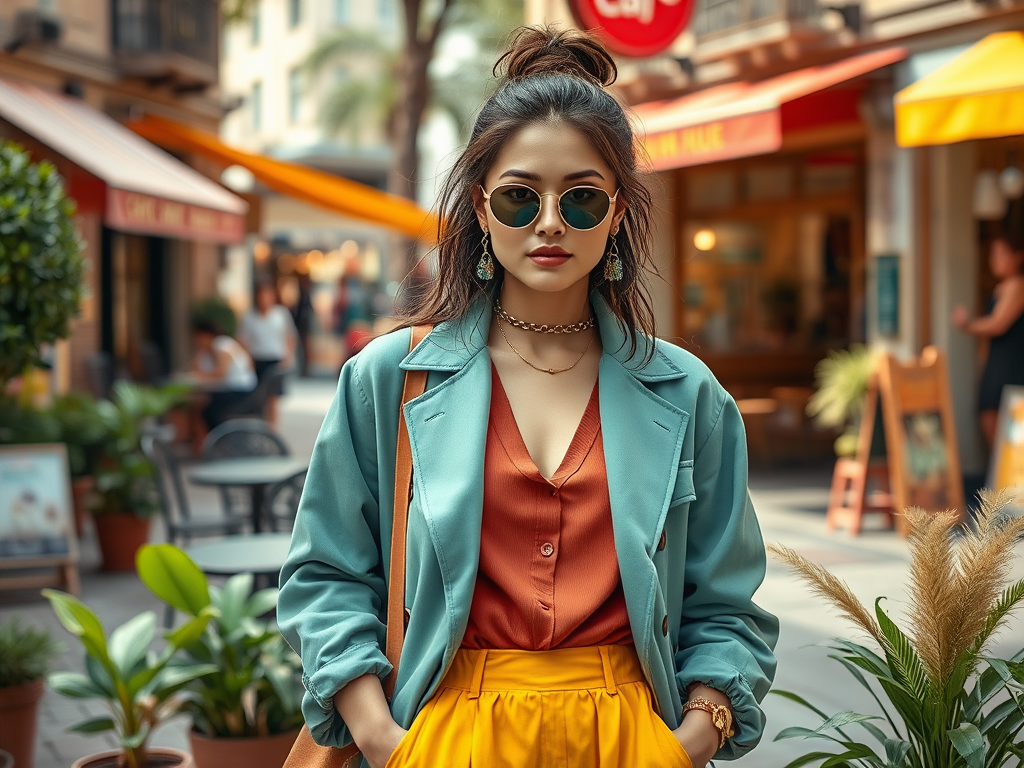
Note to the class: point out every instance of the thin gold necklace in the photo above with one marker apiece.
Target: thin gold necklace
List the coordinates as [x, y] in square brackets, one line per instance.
[552, 371]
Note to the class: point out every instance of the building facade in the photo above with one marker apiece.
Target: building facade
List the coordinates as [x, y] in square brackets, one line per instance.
[72, 72]
[795, 223]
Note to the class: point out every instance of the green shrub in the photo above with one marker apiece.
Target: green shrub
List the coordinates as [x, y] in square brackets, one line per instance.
[41, 264]
[217, 311]
[25, 653]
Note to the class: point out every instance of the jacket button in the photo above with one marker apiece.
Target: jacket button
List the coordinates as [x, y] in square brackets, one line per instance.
[664, 626]
[661, 541]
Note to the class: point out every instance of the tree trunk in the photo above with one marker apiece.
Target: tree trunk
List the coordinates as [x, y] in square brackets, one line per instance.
[414, 95]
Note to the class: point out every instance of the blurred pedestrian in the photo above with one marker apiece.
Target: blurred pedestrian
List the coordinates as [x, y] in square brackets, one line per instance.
[303, 315]
[268, 333]
[582, 554]
[1003, 326]
[226, 371]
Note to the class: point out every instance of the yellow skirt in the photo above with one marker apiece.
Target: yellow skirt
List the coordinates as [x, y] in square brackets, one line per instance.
[568, 708]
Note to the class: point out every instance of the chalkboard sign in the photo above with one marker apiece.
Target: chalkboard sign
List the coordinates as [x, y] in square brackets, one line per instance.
[924, 464]
[36, 521]
[1007, 468]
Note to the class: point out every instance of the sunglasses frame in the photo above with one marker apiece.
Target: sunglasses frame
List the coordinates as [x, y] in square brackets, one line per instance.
[558, 206]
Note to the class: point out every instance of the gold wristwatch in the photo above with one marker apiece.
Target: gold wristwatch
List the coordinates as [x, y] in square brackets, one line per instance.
[721, 717]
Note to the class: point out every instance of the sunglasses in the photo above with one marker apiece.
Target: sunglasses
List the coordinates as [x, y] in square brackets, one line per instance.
[518, 206]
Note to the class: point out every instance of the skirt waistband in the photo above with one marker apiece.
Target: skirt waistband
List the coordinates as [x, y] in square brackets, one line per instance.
[602, 666]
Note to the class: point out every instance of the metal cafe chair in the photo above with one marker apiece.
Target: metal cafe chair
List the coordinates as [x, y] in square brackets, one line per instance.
[238, 438]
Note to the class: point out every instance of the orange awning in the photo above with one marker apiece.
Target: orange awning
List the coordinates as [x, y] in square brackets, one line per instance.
[335, 194]
[750, 118]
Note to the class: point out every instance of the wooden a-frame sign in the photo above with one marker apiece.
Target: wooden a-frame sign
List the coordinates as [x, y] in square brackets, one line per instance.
[908, 447]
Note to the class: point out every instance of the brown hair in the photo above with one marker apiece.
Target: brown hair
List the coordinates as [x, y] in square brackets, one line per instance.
[546, 75]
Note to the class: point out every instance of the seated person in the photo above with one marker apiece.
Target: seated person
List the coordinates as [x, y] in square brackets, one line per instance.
[224, 368]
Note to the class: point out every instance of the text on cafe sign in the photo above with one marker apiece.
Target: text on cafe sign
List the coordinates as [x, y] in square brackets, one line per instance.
[634, 27]
[146, 214]
[716, 140]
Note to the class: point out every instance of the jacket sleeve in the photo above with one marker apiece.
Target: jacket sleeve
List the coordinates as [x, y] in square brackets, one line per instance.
[726, 641]
[333, 589]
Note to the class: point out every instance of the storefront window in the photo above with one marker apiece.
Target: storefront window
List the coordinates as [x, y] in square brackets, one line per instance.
[770, 256]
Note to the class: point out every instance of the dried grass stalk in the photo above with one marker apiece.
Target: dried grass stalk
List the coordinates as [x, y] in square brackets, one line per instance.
[832, 589]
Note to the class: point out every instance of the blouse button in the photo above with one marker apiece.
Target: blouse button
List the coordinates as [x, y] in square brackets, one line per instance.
[547, 549]
[664, 626]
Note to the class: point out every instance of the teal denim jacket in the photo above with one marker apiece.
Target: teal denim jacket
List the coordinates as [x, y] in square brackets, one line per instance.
[677, 467]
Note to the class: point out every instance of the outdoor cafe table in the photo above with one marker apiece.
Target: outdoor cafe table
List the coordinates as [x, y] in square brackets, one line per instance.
[261, 554]
[256, 472]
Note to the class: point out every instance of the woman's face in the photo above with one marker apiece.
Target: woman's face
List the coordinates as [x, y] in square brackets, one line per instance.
[1004, 261]
[550, 157]
[265, 298]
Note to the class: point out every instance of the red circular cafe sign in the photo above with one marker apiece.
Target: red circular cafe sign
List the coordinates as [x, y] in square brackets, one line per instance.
[635, 28]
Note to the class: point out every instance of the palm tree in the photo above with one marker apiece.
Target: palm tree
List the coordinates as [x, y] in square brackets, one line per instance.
[401, 85]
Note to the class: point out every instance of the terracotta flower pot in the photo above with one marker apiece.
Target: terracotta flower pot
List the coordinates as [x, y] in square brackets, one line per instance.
[262, 752]
[81, 487]
[19, 716]
[159, 757]
[120, 534]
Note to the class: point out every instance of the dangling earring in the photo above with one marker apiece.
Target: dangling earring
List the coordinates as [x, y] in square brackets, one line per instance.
[612, 263]
[485, 267]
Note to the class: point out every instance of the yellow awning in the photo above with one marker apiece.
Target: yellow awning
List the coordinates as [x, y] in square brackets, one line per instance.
[978, 95]
[341, 196]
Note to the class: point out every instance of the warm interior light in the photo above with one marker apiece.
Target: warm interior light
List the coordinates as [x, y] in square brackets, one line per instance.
[704, 240]
[261, 251]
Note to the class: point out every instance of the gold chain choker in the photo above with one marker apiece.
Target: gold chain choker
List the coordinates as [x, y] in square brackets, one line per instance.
[516, 323]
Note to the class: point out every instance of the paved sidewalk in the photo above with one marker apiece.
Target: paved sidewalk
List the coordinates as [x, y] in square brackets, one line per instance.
[790, 506]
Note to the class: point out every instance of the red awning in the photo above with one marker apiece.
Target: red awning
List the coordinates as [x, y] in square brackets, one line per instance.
[750, 118]
[146, 191]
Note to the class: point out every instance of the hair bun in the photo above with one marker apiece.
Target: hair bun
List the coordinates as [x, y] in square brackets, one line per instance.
[546, 50]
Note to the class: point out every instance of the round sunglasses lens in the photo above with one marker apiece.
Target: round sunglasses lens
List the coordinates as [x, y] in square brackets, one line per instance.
[584, 207]
[515, 206]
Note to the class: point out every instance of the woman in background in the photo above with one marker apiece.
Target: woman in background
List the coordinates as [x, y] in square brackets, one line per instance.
[268, 333]
[1003, 325]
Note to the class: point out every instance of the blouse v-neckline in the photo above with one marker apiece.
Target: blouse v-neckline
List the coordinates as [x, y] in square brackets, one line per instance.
[512, 440]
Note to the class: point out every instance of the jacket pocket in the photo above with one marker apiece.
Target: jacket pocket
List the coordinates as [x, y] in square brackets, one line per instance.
[683, 492]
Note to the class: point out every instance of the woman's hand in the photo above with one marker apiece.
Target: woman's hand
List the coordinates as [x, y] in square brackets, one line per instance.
[378, 746]
[960, 316]
[698, 736]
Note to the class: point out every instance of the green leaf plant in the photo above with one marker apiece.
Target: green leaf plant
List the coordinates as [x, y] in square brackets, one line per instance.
[141, 687]
[943, 702]
[257, 687]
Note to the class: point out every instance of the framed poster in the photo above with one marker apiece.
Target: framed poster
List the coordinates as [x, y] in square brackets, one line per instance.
[887, 298]
[920, 435]
[1007, 466]
[36, 518]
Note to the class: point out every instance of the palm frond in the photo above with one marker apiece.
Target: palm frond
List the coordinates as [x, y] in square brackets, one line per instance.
[842, 379]
[833, 590]
[345, 43]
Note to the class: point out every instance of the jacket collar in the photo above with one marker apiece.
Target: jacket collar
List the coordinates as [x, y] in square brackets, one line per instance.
[453, 343]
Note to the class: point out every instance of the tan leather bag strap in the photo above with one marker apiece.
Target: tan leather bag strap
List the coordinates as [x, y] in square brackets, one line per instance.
[305, 752]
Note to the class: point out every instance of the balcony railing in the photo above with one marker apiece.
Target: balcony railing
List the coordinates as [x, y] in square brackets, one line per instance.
[722, 17]
[168, 39]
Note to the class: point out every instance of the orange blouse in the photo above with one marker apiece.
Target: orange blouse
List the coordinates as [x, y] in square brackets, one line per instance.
[548, 575]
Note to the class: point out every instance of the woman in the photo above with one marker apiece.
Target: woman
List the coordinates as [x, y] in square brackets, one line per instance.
[268, 334]
[1003, 325]
[224, 369]
[582, 551]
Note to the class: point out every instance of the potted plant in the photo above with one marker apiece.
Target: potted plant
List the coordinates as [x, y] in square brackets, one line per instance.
[247, 712]
[41, 264]
[842, 380]
[83, 429]
[125, 490]
[943, 700]
[25, 655]
[141, 687]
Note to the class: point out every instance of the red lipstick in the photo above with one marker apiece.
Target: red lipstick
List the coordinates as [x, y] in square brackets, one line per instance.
[549, 256]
